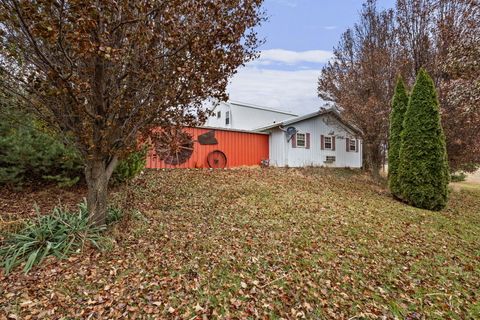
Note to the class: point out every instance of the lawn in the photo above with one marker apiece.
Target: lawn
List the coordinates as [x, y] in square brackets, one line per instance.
[269, 244]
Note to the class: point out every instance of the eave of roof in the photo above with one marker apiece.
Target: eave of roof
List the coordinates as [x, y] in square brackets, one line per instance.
[320, 112]
[230, 129]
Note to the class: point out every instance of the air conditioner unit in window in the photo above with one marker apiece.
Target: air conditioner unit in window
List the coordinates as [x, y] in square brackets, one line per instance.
[330, 159]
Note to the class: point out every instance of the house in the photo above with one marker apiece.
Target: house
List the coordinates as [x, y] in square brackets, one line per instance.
[248, 135]
[320, 138]
[243, 116]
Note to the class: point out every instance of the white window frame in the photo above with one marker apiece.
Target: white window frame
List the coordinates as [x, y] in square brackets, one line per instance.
[354, 145]
[219, 114]
[227, 118]
[325, 142]
[304, 140]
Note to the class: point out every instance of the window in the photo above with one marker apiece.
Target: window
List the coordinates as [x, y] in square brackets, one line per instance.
[328, 143]
[353, 145]
[219, 114]
[300, 140]
[227, 118]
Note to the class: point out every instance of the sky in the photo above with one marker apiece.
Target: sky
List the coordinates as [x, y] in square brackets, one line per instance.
[300, 36]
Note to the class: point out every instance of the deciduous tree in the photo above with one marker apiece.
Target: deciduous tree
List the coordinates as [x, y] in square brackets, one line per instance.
[106, 71]
[361, 77]
[460, 85]
[414, 30]
[442, 36]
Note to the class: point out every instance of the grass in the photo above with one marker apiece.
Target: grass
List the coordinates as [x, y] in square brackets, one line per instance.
[465, 185]
[273, 243]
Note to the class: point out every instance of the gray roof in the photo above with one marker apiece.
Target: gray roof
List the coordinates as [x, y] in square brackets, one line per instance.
[254, 106]
[331, 111]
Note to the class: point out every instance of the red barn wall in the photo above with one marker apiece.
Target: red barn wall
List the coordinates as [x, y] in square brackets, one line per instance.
[241, 149]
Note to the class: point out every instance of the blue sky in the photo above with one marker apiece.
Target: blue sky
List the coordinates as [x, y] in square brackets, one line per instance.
[300, 36]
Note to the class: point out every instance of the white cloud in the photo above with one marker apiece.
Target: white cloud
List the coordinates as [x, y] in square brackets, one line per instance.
[294, 91]
[330, 27]
[271, 56]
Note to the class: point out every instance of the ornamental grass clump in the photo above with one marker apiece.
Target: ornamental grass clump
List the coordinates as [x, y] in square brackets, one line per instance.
[58, 234]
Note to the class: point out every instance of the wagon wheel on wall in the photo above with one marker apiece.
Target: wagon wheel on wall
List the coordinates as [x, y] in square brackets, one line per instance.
[217, 159]
[173, 146]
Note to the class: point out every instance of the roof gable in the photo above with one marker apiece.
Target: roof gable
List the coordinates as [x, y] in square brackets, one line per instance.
[331, 111]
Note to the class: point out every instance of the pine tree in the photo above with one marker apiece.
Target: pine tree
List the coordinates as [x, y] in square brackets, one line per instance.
[423, 171]
[399, 107]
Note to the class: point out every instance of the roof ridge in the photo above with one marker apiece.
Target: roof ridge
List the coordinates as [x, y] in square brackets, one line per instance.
[255, 106]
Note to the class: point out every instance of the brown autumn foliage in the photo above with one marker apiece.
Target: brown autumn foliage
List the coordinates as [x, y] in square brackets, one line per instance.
[441, 36]
[263, 244]
[460, 87]
[361, 77]
[103, 72]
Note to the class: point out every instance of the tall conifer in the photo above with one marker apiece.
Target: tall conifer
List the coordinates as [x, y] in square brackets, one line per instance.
[423, 171]
[399, 107]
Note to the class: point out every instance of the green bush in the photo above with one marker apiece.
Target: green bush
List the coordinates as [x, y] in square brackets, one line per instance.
[399, 106]
[58, 234]
[423, 171]
[458, 177]
[30, 153]
[131, 166]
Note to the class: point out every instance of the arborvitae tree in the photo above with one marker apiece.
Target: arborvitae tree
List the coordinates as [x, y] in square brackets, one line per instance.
[423, 172]
[399, 106]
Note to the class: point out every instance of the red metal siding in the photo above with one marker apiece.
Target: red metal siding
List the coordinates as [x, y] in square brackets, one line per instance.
[241, 149]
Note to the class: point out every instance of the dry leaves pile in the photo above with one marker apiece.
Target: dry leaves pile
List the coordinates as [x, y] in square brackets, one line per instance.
[268, 244]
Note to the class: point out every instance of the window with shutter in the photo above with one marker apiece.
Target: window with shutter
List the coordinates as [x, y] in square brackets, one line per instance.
[328, 143]
[353, 145]
[301, 140]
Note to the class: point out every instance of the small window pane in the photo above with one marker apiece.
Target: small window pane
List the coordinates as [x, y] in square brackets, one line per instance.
[300, 139]
[353, 144]
[227, 117]
[219, 114]
[328, 143]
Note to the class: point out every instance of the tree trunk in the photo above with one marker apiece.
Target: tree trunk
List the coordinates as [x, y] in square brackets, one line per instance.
[97, 175]
[374, 159]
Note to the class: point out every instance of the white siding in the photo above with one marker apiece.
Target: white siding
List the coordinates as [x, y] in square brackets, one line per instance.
[282, 153]
[244, 117]
[277, 148]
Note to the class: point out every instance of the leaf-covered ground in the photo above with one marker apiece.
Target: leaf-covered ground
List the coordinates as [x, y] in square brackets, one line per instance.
[268, 244]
